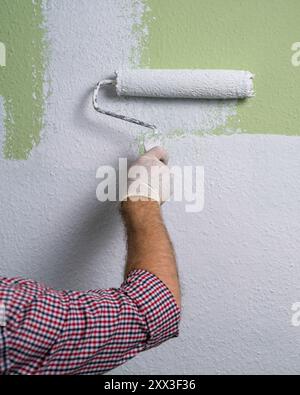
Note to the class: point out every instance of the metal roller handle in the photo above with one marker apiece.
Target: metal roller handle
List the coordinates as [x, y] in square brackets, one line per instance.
[105, 83]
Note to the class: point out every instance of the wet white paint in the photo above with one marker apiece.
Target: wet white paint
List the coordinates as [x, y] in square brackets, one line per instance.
[239, 258]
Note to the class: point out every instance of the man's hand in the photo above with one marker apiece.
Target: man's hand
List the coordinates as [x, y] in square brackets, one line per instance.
[149, 177]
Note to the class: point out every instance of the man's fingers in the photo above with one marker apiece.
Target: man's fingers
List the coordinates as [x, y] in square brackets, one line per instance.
[160, 153]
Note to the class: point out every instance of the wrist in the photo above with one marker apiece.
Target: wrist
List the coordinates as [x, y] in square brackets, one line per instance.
[144, 193]
[137, 205]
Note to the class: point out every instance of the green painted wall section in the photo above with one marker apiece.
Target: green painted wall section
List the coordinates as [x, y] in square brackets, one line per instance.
[255, 35]
[22, 79]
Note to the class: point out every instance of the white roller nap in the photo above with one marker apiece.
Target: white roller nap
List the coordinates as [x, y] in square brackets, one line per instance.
[193, 84]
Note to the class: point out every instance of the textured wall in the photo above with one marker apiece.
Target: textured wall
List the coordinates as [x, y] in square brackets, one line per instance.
[239, 258]
[256, 35]
[21, 80]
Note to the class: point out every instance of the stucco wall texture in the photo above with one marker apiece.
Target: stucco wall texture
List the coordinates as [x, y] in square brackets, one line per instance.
[239, 259]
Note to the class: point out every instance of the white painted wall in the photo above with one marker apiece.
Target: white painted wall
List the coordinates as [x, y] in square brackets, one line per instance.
[239, 259]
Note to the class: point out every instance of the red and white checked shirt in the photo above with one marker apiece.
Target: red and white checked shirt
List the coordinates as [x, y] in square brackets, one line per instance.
[48, 332]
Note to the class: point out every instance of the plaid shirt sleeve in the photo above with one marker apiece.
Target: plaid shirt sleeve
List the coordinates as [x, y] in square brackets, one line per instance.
[48, 332]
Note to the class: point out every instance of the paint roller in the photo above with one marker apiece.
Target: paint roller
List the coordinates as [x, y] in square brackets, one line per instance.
[178, 84]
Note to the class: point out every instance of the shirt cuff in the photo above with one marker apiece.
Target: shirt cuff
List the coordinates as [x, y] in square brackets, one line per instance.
[156, 304]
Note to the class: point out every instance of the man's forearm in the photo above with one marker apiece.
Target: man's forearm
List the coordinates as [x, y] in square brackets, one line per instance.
[148, 243]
